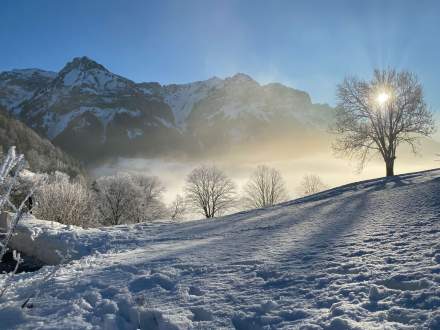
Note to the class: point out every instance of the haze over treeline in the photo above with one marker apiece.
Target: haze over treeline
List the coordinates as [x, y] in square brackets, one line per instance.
[293, 166]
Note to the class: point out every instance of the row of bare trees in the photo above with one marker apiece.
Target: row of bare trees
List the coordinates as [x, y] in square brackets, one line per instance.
[210, 192]
[132, 198]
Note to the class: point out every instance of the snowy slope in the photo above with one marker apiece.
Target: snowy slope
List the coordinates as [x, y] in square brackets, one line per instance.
[362, 256]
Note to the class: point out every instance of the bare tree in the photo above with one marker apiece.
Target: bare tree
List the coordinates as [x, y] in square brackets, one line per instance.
[209, 191]
[178, 208]
[311, 184]
[265, 188]
[116, 197]
[378, 115]
[149, 205]
[126, 198]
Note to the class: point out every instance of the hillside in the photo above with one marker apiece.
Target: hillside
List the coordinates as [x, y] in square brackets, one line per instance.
[361, 256]
[94, 113]
[40, 153]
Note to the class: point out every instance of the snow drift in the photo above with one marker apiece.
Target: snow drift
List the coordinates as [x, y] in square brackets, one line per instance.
[362, 256]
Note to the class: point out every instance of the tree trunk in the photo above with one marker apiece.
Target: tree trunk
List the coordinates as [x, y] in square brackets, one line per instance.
[390, 166]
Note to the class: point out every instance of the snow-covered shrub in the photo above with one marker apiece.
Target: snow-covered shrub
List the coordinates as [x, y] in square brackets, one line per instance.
[10, 170]
[25, 182]
[126, 198]
[65, 201]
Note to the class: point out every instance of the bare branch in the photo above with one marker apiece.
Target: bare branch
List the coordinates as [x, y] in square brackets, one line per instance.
[365, 125]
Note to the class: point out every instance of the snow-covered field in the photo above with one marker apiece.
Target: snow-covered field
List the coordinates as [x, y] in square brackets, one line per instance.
[362, 256]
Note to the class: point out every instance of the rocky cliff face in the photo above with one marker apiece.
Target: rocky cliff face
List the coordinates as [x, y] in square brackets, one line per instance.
[93, 113]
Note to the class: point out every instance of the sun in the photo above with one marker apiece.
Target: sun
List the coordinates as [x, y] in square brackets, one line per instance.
[382, 98]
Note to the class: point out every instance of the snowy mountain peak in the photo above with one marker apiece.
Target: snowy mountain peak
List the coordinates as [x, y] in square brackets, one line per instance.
[214, 81]
[241, 78]
[90, 76]
[83, 64]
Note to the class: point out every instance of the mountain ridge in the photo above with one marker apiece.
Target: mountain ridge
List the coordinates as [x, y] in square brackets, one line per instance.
[109, 115]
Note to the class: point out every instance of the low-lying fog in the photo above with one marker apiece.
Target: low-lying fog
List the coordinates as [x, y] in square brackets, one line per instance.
[333, 171]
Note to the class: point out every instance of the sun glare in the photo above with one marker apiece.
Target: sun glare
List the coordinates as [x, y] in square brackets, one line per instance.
[382, 98]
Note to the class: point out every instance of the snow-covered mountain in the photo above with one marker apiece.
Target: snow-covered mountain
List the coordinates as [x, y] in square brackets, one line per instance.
[361, 256]
[88, 110]
[17, 86]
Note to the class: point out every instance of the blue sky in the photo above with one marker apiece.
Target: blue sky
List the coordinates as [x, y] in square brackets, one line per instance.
[310, 45]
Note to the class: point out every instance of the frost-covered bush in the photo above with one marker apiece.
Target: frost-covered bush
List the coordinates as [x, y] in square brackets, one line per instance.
[25, 182]
[65, 201]
[126, 198]
[10, 169]
[12, 165]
